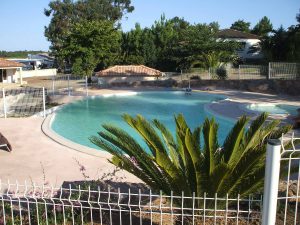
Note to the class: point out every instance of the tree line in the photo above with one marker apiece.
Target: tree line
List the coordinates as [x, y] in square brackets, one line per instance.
[18, 54]
[86, 35]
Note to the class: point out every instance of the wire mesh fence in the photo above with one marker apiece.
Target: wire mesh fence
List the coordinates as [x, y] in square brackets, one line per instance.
[252, 72]
[289, 186]
[61, 84]
[287, 71]
[33, 100]
[21, 102]
[66, 85]
[31, 204]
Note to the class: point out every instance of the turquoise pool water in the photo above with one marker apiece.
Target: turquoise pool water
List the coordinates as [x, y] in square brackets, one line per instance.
[79, 120]
[274, 109]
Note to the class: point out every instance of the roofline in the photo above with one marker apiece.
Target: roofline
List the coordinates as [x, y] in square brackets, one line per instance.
[258, 37]
[10, 67]
[155, 70]
[23, 59]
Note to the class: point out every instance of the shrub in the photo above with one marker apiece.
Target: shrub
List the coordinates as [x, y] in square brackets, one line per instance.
[195, 77]
[189, 161]
[222, 73]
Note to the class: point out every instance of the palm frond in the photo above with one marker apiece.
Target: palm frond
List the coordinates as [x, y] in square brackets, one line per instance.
[253, 132]
[170, 143]
[232, 150]
[210, 133]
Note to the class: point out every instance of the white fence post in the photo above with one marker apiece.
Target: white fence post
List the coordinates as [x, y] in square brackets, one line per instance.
[53, 84]
[269, 71]
[4, 103]
[86, 86]
[239, 72]
[272, 171]
[69, 93]
[44, 103]
[209, 75]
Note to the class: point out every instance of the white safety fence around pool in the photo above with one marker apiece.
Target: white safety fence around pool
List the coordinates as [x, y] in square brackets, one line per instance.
[287, 71]
[67, 85]
[273, 71]
[288, 160]
[29, 101]
[22, 102]
[31, 204]
[90, 203]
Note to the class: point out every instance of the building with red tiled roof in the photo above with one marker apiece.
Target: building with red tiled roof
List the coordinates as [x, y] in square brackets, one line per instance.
[10, 71]
[4, 63]
[130, 70]
[128, 73]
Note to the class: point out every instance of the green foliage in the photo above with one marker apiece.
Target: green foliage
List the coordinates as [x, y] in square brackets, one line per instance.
[283, 45]
[66, 14]
[263, 27]
[89, 43]
[241, 25]
[132, 47]
[39, 215]
[222, 73]
[182, 163]
[174, 45]
[214, 59]
[168, 45]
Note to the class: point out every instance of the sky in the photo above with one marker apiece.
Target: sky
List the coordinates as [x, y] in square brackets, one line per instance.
[22, 21]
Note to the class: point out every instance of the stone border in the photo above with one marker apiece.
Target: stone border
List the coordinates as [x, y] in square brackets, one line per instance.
[47, 130]
[208, 109]
[245, 108]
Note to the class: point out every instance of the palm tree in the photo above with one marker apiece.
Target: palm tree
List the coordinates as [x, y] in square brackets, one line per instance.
[184, 163]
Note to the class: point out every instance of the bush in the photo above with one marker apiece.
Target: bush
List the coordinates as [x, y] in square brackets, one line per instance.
[222, 73]
[195, 77]
[192, 160]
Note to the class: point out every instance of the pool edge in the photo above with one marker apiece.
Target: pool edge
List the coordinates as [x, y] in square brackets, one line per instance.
[46, 129]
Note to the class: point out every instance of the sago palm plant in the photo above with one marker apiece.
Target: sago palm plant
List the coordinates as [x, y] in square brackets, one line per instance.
[182, 163]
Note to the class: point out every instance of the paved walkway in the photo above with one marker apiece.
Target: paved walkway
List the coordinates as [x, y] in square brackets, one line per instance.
[35, 157]
[235, 106]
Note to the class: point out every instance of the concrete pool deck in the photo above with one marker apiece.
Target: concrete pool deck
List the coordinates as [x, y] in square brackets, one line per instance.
[36, 157]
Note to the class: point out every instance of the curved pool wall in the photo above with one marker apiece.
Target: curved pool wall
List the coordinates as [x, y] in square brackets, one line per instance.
[275, 109]
[79, 120]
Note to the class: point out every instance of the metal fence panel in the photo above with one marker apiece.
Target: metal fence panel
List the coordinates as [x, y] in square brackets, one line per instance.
[31, 204]
[66, 85]
[21, 102]
[253, 72]
[289, 186]
[286, 71]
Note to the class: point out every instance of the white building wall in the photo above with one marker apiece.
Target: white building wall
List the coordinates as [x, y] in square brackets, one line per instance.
[10, 75]
[128, 79]
[244, 53]
[14, 75]
[39, 73]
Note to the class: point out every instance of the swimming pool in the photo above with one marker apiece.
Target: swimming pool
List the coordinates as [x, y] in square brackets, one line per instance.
[81, 119]
[274, 108]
